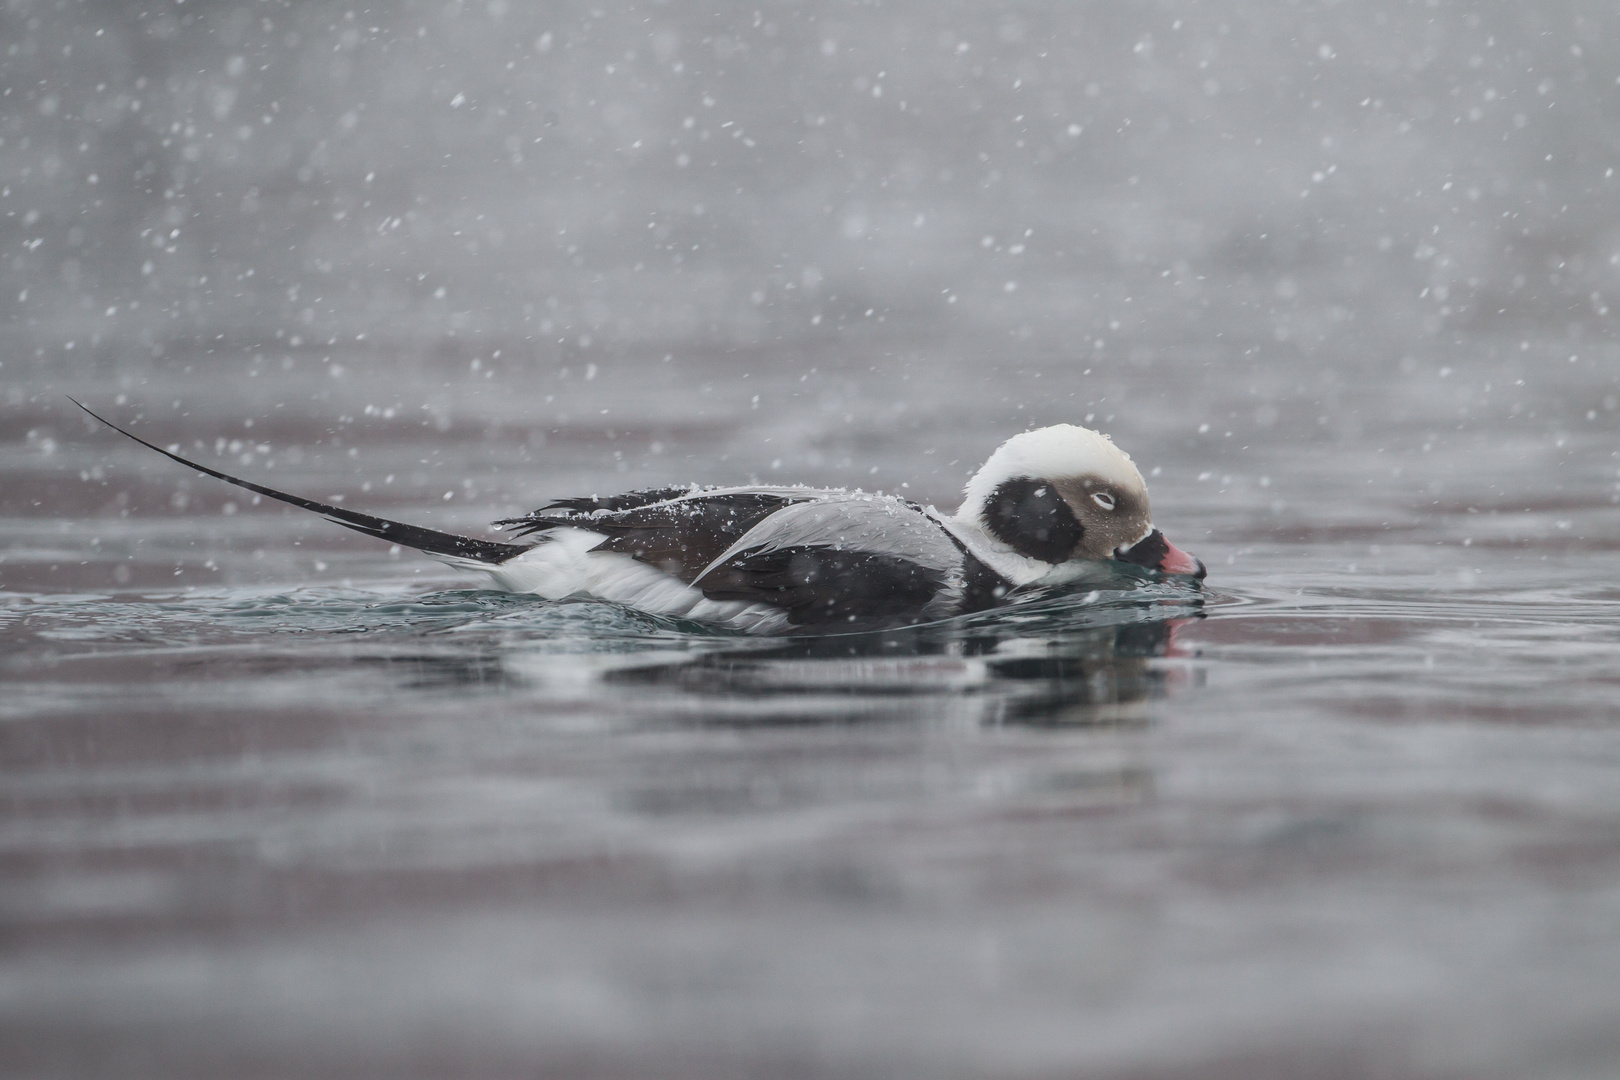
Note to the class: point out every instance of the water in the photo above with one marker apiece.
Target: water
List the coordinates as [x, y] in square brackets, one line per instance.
[280, 801]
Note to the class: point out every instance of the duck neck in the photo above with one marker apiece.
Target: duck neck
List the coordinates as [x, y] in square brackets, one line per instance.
[1009, 565]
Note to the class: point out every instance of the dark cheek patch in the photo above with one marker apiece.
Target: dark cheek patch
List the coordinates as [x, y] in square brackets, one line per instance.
[1032, 518]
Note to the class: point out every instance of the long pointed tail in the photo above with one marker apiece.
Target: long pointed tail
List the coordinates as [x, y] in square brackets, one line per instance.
[428, 540]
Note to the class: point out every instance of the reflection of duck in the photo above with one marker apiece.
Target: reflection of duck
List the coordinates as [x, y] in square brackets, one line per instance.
[1087, 674]
[1045, 509]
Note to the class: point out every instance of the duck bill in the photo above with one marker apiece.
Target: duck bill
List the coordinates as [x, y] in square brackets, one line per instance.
[1156, 553]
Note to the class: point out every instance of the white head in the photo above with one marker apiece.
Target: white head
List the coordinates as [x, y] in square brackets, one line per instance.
[1065, 492]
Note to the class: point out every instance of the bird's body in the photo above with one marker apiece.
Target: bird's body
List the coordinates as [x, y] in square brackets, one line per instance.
[1045, 509]
[759, 559]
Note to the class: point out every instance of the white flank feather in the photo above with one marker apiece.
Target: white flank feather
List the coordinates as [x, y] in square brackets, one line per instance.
[564, 565]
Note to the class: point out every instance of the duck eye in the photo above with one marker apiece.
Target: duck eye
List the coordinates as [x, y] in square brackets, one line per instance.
[1103, 499]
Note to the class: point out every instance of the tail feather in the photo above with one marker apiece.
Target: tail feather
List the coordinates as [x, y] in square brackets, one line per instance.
[430, 541]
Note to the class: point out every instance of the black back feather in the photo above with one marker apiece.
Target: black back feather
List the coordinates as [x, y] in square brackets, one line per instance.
[545, 518]
[674, 529]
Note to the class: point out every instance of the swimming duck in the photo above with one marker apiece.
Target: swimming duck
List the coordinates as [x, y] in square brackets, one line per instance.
[1046, 508]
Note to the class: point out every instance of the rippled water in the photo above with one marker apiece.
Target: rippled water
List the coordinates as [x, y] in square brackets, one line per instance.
[1349, 810]
[278, 801]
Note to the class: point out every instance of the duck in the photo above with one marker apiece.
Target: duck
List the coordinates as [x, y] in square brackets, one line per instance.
[1047, 508]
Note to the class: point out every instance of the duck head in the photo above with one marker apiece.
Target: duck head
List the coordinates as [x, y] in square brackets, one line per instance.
[1063, 493]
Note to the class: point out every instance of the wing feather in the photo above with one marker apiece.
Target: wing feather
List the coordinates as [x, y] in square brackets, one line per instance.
[681, 535]
[840, 558]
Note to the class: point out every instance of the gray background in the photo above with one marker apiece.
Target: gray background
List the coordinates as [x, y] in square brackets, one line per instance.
[1282, 188]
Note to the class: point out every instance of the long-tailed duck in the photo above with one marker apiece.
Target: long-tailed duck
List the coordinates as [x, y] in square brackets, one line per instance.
[1043, 510]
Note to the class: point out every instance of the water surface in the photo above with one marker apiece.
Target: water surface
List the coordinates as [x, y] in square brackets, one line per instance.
[279, 801]
[1349, 810]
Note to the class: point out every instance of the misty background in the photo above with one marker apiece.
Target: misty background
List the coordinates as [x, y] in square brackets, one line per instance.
[972, 210]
